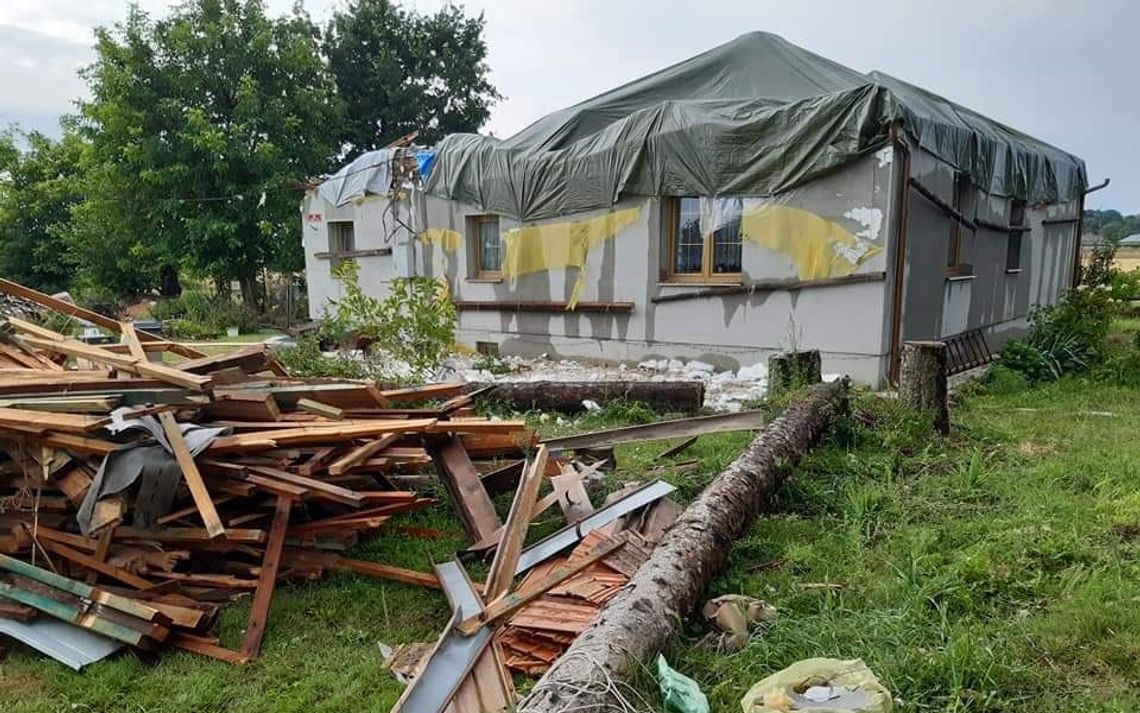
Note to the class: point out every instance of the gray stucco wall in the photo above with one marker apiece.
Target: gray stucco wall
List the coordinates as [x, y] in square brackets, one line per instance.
[936, 305]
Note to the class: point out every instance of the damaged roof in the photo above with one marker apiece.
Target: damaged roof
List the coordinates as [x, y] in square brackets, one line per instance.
[755, 116]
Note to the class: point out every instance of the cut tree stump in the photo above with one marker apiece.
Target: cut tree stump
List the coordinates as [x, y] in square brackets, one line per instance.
[640, 622]
[793, 370]
[922, 381]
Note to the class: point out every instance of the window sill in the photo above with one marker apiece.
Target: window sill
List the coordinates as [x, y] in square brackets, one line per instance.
[352, 253]
[959, 278]
[702, 283]
[1013, 271]
[490, 280]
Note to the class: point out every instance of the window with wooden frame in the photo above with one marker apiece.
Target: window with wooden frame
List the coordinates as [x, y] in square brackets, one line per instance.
[342, 239]
[702, 239]
[959, 251]
[1013, 247]
[486, 246]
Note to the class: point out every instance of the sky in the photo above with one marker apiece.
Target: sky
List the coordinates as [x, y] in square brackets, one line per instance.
[1059, 70]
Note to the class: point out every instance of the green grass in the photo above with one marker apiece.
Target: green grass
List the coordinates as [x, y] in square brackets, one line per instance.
[991, 571]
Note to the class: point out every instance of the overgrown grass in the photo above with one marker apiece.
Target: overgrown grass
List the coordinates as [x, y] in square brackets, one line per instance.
[997, 570]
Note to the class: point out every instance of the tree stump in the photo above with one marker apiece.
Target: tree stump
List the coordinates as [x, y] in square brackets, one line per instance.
[789, 371]
[922, 381]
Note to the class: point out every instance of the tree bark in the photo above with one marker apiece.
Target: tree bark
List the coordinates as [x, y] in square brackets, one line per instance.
[922, 381]
[793, 370]
[567, 396]
[168, 276]
[646, 615]
[249, 291]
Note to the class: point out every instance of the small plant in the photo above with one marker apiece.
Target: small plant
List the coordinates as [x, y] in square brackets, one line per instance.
[492, 364]
[414, 324]
[305, 358]
[198, 315]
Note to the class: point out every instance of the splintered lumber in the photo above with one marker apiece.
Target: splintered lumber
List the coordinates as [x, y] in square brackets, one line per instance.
[36, 420]
[568, 396]
[360, 454]
[506, 604]
[502, 570]
[461, 480]
[642, 619]
[430, 392]
[250, 359]
[342, 431]
[267, 580]
[190, 473]
[73, 310]
[141, 367]
[698, 426]
[318, 409]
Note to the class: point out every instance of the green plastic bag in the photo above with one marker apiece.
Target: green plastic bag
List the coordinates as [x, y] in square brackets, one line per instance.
[682, 694]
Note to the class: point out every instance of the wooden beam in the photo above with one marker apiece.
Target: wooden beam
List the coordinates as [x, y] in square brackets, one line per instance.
[502, 570]
[143, 367]
[194, 481]
[17, 290]
[471, 502]
[362, 453]
[266, 580]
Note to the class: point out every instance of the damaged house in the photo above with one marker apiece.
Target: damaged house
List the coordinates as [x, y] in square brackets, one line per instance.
[751, 199]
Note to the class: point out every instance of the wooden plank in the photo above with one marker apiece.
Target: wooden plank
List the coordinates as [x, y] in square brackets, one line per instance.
[461, 480]
[572, 496]
[27, 420]
[362, 453]
[201, 645]
[266, 580]
[700, 425]
[319, 409]
[131, 339]
[316, 435]
[315, 487]
[193, 478]
[507, 604]
[423, 393]
[252, 406]
[249, 359]
[502, 570]
[79, 589]
[143, 367]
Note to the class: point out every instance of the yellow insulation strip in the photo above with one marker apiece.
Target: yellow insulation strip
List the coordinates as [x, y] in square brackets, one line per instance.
[554, 246]
[817, 247]
[449, 240]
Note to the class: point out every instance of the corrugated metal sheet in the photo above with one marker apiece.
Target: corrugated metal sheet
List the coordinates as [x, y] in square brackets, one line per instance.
[68, 644]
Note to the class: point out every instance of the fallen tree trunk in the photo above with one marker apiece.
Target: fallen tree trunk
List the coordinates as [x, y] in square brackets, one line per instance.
[640, 621]
[567, 396]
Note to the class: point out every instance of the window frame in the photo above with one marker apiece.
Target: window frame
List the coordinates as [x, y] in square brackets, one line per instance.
[336, 232]
[476, 222]
[672, 208]
[1013, 248]
[962, 188]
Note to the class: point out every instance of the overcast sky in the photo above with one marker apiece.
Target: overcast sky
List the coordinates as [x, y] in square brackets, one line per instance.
[1063, 71]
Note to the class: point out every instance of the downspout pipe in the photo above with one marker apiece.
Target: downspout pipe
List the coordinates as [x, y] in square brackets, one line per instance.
[1081, 229]
[902, 218]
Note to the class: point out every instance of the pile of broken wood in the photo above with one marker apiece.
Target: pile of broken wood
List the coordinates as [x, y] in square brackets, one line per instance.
[144, 484]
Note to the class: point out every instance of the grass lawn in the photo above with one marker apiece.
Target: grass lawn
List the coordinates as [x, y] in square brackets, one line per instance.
[997, 570]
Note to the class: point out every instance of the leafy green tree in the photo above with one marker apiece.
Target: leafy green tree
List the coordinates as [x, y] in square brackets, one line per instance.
[40, 180]
[202, 125]
[399, 72]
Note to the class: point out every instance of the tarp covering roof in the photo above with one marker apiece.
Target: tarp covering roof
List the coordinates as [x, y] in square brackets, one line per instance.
[755, 116]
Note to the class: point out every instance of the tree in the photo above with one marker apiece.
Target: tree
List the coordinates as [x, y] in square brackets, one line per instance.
[400, 72]
[202, 125]
[39, 183]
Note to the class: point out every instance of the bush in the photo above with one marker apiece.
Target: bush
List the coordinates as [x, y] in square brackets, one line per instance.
[415, 324]
[306, 359]
[1004, 379]
[197, 315]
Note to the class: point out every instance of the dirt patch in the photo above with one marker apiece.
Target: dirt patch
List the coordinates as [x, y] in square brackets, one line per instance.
[1036, 448]
[20, 683]
[1128, 533]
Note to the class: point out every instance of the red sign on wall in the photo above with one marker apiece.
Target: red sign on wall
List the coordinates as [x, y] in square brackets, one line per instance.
[314, 218]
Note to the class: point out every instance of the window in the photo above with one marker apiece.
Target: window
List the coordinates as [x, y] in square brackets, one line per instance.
[342, 239]
[487, 246]
[1013, 247]
[704, 242]
[959, 249]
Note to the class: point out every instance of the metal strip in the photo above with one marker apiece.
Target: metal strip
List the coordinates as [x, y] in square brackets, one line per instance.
[69, 644]
[569, 536]
[454, 655]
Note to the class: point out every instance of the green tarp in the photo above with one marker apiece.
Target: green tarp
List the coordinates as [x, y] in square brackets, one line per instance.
[756, 116]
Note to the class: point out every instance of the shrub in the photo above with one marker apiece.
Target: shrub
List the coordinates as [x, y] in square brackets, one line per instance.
[197, 315]
[1003, 379]
[305, 358]
[1020, 357]
[415, 324]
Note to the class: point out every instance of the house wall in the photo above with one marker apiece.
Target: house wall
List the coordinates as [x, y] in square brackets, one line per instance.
[936, 305]
[383, 246]
[847, 210]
